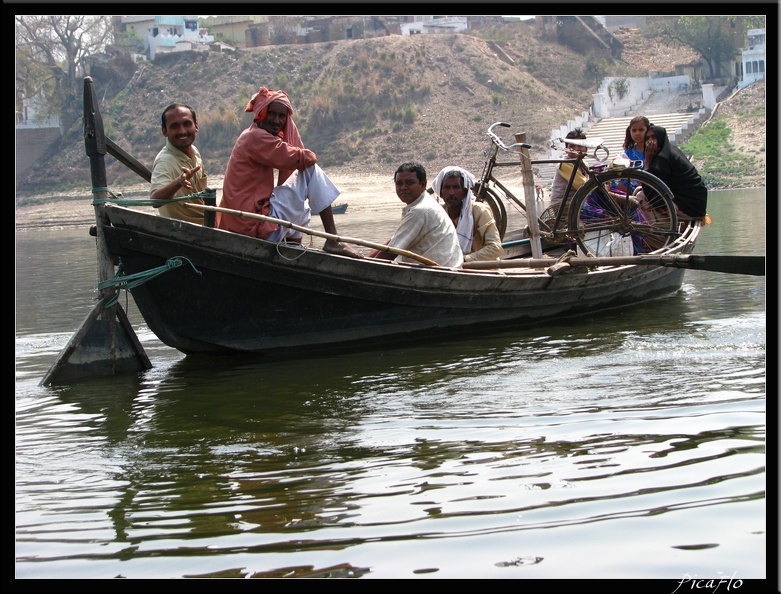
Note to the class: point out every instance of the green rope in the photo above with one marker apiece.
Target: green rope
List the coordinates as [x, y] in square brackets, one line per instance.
[130, 281]
[206, 194]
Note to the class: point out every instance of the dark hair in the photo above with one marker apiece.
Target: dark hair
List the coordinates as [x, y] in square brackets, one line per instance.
[576, 133]
[416, 168]
[628, 142]
[455, 173]
[174, 106]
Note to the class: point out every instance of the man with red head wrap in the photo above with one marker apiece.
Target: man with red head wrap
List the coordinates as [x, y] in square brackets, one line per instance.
[272, 142]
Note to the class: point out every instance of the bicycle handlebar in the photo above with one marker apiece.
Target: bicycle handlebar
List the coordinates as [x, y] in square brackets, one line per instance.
[498, 141]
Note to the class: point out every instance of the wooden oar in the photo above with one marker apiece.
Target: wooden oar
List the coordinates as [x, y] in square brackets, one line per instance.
[754, 265]
[308, 231]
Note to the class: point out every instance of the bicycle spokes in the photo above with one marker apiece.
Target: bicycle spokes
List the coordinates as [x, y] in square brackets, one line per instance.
[623, 213]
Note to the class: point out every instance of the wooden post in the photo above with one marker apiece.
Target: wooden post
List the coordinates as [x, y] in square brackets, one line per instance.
[95, 145]
[530, 197]
[105, 344]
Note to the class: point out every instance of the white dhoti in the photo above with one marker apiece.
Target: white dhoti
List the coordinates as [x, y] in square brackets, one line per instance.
[303, 193]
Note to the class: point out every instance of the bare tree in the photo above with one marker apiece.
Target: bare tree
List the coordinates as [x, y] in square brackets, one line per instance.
[50, 54]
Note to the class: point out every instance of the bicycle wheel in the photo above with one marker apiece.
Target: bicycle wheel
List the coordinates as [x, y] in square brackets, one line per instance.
[607, 221]
[491, 198]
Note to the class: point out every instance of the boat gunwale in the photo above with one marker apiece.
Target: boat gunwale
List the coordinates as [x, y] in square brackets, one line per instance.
[682, 245]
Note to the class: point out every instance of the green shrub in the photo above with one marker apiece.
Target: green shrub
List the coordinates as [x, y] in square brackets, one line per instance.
[409, 114]
[620, 86]
[721, 164]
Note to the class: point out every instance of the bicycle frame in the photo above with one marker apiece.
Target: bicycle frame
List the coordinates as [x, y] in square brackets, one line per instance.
[492, 163]
[598, 216]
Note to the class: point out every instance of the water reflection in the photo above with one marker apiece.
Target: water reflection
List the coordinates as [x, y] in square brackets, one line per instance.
[640, 431]
[300, 457]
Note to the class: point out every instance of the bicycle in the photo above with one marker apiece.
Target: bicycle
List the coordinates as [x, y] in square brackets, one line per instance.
[601, 219]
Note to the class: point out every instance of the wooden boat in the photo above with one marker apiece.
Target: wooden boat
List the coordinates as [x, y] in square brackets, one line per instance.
[228, 292]
[339, 208]
[205, 290]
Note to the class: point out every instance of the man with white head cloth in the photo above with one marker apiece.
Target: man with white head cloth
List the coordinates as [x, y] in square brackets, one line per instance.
[478, 235]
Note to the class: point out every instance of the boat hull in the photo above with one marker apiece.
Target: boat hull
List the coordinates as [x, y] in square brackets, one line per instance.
[236, 293]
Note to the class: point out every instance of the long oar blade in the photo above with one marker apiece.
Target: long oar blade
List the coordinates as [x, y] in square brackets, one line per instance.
[733, 264]
[308, 231]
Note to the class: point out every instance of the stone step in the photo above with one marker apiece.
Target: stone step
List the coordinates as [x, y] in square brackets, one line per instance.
[613, 130]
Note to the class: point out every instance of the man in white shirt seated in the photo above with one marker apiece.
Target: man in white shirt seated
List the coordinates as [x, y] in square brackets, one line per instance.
[425, 228]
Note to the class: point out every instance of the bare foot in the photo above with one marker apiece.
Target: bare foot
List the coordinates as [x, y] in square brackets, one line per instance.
[341, 249]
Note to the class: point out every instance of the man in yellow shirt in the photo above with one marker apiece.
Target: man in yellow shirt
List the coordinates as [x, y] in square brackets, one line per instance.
[178, 169]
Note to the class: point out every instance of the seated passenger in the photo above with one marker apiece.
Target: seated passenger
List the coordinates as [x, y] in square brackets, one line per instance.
[667, 162]
[478, 235]
[634, 141]
[178, 169]
[272, 142]
[634, 148]
[564, 171]
[425, 228]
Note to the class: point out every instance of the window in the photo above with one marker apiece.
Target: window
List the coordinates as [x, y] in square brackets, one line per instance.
[761, 66]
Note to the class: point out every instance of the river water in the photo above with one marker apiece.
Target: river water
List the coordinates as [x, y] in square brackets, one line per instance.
[628, 445]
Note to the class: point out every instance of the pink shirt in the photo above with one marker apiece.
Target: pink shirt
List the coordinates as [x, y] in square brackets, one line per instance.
[249, 178]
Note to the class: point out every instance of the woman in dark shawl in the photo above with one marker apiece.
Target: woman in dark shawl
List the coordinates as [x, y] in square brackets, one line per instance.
[667, 162]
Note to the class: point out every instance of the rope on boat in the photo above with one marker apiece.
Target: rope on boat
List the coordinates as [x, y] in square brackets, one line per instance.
[121, 201]
[130, 281]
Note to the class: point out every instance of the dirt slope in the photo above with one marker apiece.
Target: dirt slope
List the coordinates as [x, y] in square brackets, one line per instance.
[364, 105]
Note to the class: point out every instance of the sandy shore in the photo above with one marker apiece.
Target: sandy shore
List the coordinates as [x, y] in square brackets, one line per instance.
[373, 206]
[373, 209]
[75, 209]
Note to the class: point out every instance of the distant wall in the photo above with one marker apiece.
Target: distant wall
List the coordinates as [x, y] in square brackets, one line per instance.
[31, 144]
[607, 103]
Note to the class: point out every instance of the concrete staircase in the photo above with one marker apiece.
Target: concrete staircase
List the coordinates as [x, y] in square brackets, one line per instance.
[613, 130]
[678, 111]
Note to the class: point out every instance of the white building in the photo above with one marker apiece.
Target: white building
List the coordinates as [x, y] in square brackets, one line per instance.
[429, 24]
[164, 34]
[31, 116]
[753, 58]
[615, 22]
[176, 34]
